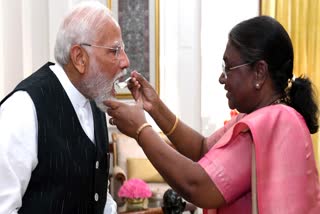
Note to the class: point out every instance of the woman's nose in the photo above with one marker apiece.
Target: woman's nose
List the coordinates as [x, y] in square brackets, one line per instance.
[222, 78]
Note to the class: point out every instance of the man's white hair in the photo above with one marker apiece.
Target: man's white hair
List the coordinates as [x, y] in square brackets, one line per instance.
[82, 24]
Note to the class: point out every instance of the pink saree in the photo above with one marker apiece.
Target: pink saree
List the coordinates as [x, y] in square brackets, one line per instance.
[287, 178]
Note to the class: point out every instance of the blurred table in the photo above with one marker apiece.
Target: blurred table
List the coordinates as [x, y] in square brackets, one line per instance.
[157, 210]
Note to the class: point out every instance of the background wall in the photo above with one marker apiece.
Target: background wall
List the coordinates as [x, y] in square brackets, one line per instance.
[216, 22]
[24, 41]
[193, 35]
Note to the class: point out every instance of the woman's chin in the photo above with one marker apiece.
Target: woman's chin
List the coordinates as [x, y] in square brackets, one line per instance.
[230, 104]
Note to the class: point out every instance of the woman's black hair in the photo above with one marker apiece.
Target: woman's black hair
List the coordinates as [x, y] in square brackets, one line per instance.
[264, 38]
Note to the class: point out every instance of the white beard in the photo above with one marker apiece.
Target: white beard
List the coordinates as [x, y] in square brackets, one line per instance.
[98, 86]
[104, 93]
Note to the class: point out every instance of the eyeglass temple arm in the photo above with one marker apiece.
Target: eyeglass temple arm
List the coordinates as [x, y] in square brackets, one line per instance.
[85, 44]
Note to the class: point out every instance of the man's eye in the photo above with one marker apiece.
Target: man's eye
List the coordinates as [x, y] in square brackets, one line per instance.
[114, 51]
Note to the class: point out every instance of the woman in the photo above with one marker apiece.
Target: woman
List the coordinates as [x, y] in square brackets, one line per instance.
[272, 132]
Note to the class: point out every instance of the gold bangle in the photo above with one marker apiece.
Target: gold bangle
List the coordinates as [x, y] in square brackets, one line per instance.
[174, 127]
[145, 125]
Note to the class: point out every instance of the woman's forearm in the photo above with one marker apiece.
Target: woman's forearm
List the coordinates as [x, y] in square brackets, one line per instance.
[186, 140]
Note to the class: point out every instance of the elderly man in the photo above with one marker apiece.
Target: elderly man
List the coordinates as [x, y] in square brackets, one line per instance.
[53, 138]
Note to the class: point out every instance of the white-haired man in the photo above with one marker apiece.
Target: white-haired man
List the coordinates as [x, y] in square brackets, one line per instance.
[53, 141]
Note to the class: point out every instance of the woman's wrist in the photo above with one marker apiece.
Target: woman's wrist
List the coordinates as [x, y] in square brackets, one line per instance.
[173, 127]
[140, 129]
[157, 109]
[165, 119]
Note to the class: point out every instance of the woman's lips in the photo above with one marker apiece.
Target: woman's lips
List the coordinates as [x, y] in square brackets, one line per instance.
[228, 94]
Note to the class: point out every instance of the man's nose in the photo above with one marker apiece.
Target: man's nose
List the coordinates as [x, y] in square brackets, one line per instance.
[124, 60]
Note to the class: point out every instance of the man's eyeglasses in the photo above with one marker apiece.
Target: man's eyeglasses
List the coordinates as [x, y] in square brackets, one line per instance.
[116, 50]
[226, 70]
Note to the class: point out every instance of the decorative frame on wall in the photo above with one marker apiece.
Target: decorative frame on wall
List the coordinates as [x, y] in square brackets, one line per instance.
[139, 22]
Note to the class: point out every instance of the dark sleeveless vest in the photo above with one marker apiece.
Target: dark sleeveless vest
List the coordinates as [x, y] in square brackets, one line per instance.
[72, 173]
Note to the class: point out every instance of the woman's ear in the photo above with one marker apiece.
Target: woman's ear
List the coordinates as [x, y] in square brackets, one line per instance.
[78, 58]
[261, 73]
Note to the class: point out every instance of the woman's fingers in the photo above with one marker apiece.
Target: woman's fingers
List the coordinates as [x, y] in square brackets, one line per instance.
[112, 106]
[142, 81]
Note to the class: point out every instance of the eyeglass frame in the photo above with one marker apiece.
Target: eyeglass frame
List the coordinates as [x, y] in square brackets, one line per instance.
[226, 70]
[117, 49]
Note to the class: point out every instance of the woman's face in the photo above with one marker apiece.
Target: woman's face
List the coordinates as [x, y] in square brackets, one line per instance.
[238, 81]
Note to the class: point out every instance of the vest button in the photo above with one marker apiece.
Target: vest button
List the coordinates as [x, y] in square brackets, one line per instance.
[96, 197]
[97, 164]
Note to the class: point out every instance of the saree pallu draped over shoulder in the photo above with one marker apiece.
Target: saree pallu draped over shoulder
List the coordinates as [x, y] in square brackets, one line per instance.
[286, 173]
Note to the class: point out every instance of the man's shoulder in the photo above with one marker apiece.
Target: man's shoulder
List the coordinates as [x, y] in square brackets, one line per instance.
[39, 77]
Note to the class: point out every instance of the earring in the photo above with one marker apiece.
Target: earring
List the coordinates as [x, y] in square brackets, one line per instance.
[257, 86]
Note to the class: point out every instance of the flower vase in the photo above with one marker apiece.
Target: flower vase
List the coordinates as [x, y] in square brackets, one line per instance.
[135, 204]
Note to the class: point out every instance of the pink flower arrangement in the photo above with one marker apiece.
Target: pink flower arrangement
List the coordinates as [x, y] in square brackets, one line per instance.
[134, 188]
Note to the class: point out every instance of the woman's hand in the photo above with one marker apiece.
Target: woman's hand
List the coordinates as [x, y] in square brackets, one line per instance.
[127, 118]
[142, 90]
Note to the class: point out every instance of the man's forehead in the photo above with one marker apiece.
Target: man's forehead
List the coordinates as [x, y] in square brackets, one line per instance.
[112, 36]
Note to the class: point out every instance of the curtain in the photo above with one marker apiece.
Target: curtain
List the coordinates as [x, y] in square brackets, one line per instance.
[302, 21]
[24, 45]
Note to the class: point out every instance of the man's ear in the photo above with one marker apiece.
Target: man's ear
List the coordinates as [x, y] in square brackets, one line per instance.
[261, 73]
[79, 58]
